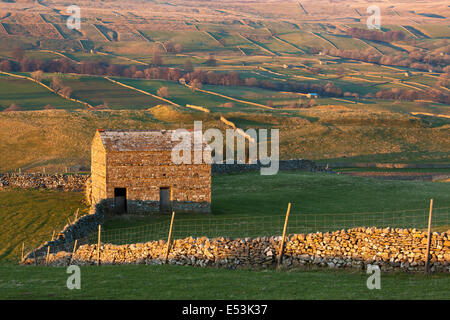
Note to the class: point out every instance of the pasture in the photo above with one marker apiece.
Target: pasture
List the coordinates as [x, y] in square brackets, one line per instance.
[311, 194]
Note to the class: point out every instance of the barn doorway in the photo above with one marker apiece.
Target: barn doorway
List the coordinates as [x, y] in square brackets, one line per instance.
[165, 199]
[120, 200]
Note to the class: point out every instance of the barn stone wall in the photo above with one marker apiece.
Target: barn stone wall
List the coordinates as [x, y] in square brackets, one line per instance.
[97, 183]
[143, 173]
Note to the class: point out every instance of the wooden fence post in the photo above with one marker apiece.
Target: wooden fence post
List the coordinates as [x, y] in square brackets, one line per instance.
[427, 257]
[73, 252]
[23, 248]
[98, 243]
[170, 237]
[48, 249]
[280, 254]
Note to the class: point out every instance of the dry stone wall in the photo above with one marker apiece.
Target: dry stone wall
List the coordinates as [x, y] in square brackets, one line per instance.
[74, 182]
[391, 249]
[83, 182]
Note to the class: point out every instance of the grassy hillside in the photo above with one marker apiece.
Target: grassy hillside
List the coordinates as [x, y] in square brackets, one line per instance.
[31, 216]
[54, 139]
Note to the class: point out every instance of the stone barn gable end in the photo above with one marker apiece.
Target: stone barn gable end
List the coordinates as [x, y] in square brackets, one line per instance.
[134, 173]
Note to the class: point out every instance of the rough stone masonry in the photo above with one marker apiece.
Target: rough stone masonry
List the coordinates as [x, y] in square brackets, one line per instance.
[391, 249]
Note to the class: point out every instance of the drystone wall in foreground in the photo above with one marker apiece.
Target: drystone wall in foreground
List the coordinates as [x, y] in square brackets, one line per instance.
[391, 249]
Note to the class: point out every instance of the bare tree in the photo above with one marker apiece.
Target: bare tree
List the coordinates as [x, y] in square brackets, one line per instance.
[163, 92]
[37, 75]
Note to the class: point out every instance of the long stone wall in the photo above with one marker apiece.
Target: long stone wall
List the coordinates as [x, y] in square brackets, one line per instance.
[77, 182]
[391, 249]
[284, 165]
[74, 182]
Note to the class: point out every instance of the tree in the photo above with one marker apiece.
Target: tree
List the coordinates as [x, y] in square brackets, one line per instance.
[178, 48]
[66, 92]
[195, 84]
[187, 66]
[18, 53]
[6, 66]
[56, 84]
[37, 75]
[163, 92]
[157, 59]
[211, 62]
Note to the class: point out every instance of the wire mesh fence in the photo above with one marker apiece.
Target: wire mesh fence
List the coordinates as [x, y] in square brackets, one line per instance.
[265, 225]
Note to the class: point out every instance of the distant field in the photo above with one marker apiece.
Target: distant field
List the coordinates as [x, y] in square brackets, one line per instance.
[30, 96]
[98, 91]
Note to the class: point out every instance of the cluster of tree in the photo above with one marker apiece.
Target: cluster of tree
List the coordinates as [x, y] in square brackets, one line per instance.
[300, 105]
[412, 95]
[60, 88]
[196, 78]
[389, 36]
[327, 89]
[416, 59]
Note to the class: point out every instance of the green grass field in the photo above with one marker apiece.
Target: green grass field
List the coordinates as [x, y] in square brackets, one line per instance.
[181, 283]
[31, 216]
[30, 96]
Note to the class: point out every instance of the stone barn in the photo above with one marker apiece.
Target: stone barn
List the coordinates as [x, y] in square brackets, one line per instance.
[134, 172]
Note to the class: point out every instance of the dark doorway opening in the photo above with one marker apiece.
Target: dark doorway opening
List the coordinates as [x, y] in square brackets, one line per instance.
[120, 200]
[165, 205]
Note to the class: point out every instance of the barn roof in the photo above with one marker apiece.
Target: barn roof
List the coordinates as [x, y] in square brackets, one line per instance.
[142, 140]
